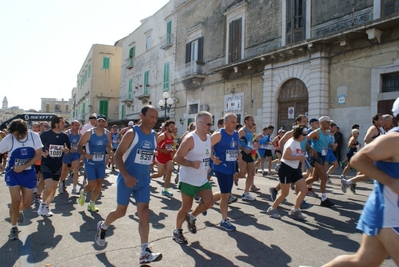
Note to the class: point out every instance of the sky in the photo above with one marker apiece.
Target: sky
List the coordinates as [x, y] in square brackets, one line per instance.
[45, 42]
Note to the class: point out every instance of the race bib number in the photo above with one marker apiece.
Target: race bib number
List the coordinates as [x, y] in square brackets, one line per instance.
[231, 155]
[169, 146]
[206, 162]
[55, 151]
[20, 162]
[144, 157]
[324, 151]
[74, 146]
[98, 156]
[250, 145]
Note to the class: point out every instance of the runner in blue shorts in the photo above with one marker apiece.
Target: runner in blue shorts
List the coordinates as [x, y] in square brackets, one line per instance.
[225, 146]
[133, 158]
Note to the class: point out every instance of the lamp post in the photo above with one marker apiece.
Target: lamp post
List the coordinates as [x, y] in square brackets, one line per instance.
[166, 103]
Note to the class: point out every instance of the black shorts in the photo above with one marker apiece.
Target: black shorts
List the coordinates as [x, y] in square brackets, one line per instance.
[268, 153]
[247, 157]
[288, 175]
[37, 167]
[53, 172]
[320, 159]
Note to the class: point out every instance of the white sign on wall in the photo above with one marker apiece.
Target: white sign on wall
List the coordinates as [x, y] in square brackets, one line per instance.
[233, 103]
[291, 112]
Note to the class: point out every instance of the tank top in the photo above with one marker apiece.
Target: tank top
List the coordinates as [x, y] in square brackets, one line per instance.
[114, 138]
[97, 147]
[321, 145]
[246, 140]
[138, 157]
[74, 140]
[227, 151]
[202, 152]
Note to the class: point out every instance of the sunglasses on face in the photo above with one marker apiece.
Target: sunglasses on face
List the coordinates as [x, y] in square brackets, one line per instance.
[304, 134]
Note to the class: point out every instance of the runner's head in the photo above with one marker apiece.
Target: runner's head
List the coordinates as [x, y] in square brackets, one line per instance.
[249, 121]
[148, 116]
[203, 121]
[57, 123]
[18, 128]
[378, 120]
[230, 121]
[101, 121]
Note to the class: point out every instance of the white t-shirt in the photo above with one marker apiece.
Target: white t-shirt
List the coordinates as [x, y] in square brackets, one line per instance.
[296, 150]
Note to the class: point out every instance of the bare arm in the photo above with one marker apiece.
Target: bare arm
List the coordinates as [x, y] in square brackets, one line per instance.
[371, 132]
[285, 138]
[83, 141]
[385, 148]
[127, 139]
[215, 138]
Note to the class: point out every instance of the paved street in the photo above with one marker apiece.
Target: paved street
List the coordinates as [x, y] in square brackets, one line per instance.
[67, 238]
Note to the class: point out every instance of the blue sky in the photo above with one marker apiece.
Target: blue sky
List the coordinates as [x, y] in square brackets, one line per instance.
[45, 42]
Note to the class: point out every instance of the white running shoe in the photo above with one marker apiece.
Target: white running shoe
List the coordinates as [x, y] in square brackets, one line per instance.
[247, 196]
[148, 256]
[42, 207]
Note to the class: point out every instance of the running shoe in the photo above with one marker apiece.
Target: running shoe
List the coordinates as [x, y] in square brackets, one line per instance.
[197, 198]
[273, 213]
[21, 216]
[191, 224]
[167, 193]
[13, 233]
[247, 196]
[226, 224]
[61, 188]
[47, 212]
[35, 190]
[352, 187]
[305, 205]
[38, 199]
[344, 185]
[327, 203]
[92, 207]
[100, 235]
[254, 188]
[232, 199]
[179, 237]
[82, 198]
[296, 214]
[273, 193]
[42, 207]
[148, 256]
[312, 193]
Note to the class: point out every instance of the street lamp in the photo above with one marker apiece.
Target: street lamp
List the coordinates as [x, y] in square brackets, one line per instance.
[166, 103]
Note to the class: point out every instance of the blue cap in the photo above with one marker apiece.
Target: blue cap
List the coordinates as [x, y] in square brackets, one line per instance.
[101, 117]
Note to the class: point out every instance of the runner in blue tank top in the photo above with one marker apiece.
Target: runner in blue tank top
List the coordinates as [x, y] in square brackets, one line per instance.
[97, 141]
[115, 142]
[380, 217]
[225, 146]
[24, 149]
[133, 159]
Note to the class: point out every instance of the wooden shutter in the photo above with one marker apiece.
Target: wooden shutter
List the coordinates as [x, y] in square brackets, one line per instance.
[129, 94]
[188, 52]
[235, 32]
[146, 74]
[299, 20]
[123, 112]
[201, 48]
[289, 19]
[106, 63]
[166, 76]
[169, 32]
[104, 107]
[389, 7]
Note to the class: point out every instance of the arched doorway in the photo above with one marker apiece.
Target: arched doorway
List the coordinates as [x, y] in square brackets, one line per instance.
[292, 100]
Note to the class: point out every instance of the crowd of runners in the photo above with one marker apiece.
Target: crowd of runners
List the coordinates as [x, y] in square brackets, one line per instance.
[37, 161]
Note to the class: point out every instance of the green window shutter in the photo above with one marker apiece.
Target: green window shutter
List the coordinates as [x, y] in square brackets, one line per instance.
[106, 63]
[129, 94]
[166, 76]
[83, 108]
[146, 74]
[123, 112]
[169, 32]
[104, 108]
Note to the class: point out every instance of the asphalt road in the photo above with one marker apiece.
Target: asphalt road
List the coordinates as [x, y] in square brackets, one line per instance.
[67, 238]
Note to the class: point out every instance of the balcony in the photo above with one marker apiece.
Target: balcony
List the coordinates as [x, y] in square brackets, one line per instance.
[144, 98]
[191, 74]
[130, 63]
[128, 102]
[166, 41]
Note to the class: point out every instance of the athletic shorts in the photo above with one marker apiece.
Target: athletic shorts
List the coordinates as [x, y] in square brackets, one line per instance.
[247, 157]
[320, 159]
[192, 190]
[349, 155]
[330, 157]
[25, 179]
[163, 159]
[37, 167]
[268, 153]
[140, 193]
[225, 182]
[53, 172]
[288, 175]
[67, 159]
[94, 171]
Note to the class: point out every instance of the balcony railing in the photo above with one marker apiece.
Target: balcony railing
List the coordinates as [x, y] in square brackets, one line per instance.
[130, 63]
[191, 68]
[166, 41]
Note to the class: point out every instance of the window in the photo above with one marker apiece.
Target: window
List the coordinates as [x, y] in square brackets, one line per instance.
[47, 107]
[104, 108]
[166, 67]
[295, 21]
[389, 7]
[130, 89]
[169, 32]
[194, 50]
[193, 109]
[106, 63]
[390, 82]
[146, 85]
[57, 108]
[123, 112]
[148, 43]
[235, 31]
[66, 108]
[132, 53]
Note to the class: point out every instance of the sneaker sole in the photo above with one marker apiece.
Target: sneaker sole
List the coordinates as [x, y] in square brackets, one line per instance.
[154, 260]
[184, 242]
